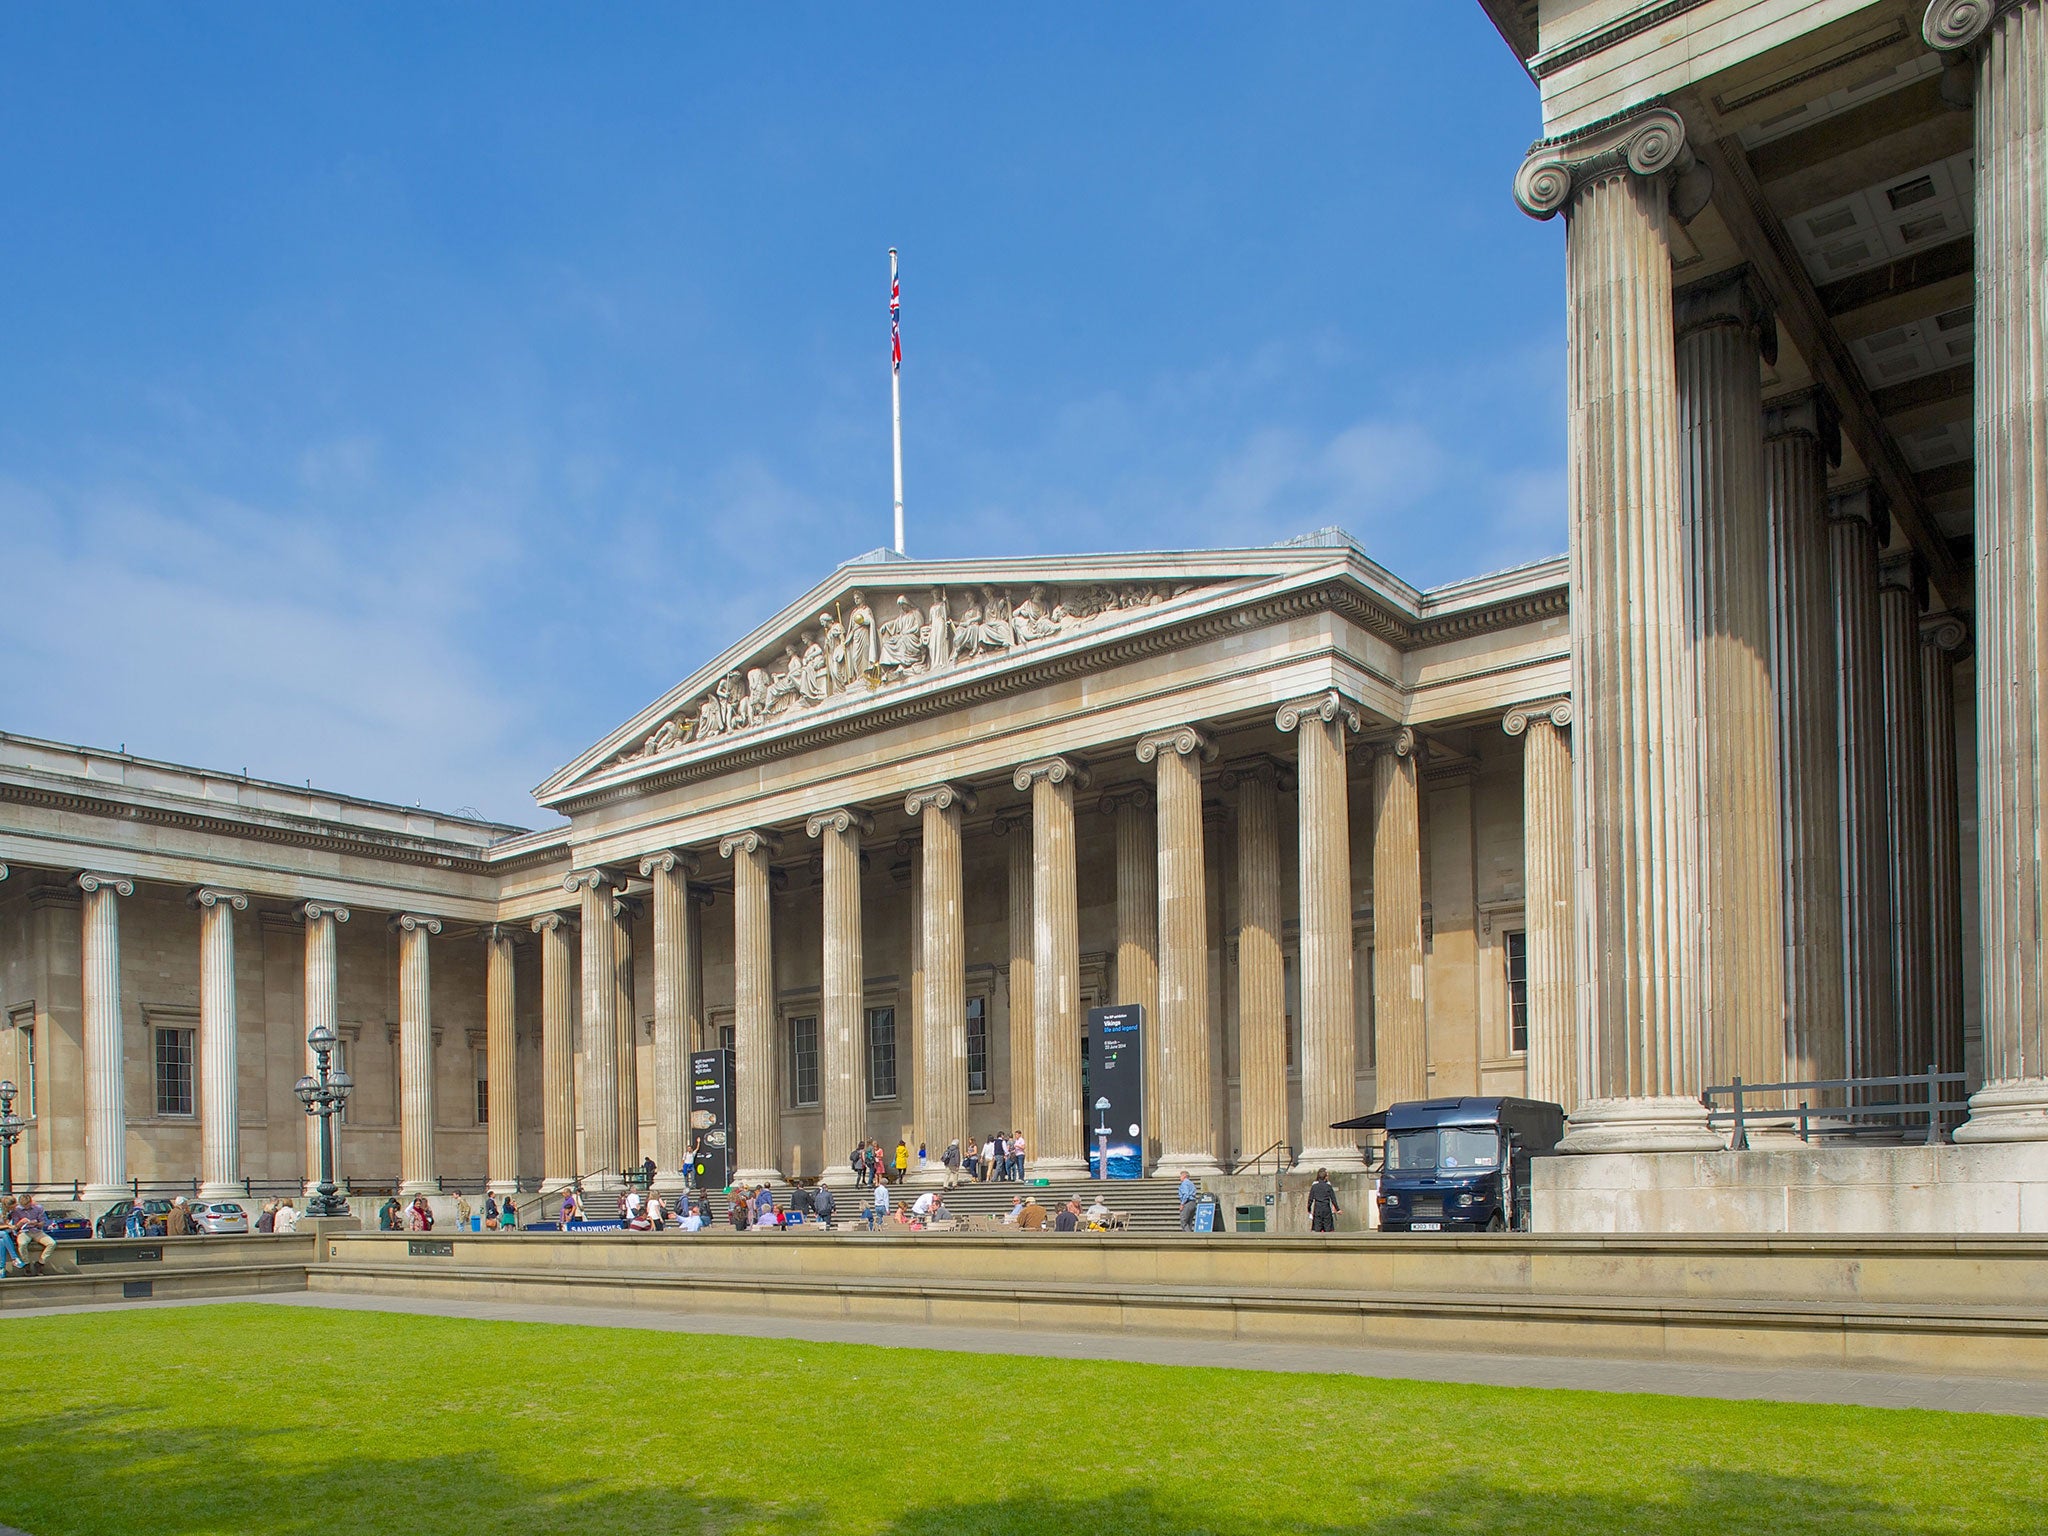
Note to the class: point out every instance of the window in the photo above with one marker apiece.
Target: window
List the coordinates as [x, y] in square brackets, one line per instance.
[803, 1060]
[881, 1053]
[1517, 951]
[174, 1071]
[483, 1087]
[18, 1061]
[728, 1037]
[977, 1045]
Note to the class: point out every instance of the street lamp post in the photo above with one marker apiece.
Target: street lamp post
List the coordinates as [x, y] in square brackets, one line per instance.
[1102, 1138]
[10, 1132]
[324, 1095]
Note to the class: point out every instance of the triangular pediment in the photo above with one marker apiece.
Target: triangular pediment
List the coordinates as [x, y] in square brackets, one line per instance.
[885, 628]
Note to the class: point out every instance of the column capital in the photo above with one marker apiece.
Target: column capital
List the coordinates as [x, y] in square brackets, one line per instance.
[1119, 796]
[93, 879]
[578, 880]
[1015, 819]
[1247, 770]
[842, 818]
[1864, 502]
[410, 922]
[313, 911]
[1650, 142]
[1054, 770]
[749, 840]
[213, 896]
[628, 907]
[498, 933]
[1950, 26]
[1946, 632]
[668, 861]
[1517, 720]
[941, 797]
[1904, 571]
[1807, 412]
[1327, 706]
[1182, 740]
[1734, 298]
[550, 922]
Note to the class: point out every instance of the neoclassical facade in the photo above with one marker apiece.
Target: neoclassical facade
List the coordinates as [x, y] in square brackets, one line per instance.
[888, 849]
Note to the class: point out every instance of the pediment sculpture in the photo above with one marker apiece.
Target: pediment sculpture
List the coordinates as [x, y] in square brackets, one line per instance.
[850, 651]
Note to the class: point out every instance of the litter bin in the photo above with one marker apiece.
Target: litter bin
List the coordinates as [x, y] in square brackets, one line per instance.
[1251, 1218]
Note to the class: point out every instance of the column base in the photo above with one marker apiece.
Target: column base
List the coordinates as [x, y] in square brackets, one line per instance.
[1199, 1164]
[502, 1187]
[2013, 1110]
[107, 1194]
[1056, 1168]
[408, 1188]
[1344, 1159]
[1665, 1123]
[841, 1177]
[212, 1192]
[752, 1176]
[670, 1183]
[933, 1177]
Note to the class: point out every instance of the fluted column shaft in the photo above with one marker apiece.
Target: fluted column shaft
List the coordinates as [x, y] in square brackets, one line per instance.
[1855, 534]
[322, 1011]
[1942, 639]
[1261, 968]
[600, 1098]
[1547, 894]
[1056, 1150]
[2010, 44]
[1900, 598]
[106, 1105]
[416, 1164]
[669, 872]
[1023, 989]
[1137, 936]
[557, 1051]
[1799, 439]
[1329, 1041]
[755, 1106]
[626, 1021]
[941, 1087]
[220, 1130]
[842, 1007]
[501, 1062]
[1400, 1019]
[1722, 324]
[1186, 1119]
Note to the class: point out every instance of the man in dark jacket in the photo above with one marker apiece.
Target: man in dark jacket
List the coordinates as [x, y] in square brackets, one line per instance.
[821, 1205]
[1323, 1209]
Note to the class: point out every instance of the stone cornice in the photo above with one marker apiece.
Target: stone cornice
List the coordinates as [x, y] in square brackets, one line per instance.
[1544, 65]
[1648, 141]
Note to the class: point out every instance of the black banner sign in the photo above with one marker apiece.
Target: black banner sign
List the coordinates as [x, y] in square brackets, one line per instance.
[1116, 1072]
[711, 1131]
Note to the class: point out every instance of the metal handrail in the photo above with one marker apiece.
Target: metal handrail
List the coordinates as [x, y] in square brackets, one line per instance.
[1739, 1117]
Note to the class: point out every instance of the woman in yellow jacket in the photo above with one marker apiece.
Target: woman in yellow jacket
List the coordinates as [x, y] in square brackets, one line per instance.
[902, 1159]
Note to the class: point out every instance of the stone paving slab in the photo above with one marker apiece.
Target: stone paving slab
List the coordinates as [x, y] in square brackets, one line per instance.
[1805, 1384]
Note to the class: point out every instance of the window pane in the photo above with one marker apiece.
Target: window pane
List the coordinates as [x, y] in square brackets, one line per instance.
[881, 1053]
[483, 1088]
[1517, 944]
[803, 1060]
[728, 1037]
[977, 1045]
[174, 1071]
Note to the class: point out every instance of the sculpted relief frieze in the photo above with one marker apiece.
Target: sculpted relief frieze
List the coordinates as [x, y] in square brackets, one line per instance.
[850, 652]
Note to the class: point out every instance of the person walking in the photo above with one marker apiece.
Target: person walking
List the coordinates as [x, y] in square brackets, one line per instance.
[902, 1159]
[1323, 1209]
[822, 1204]
[1188, 1192]
[951, 1158]
[988, 1160]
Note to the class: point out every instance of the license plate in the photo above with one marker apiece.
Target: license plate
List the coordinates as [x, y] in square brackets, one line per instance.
[1426, 1226]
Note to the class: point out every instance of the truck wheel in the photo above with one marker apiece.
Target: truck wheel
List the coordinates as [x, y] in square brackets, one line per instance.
[1497, 1224]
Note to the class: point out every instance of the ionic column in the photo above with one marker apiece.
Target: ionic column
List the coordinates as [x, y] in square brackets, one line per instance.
[1137, 933]
[1901, 595]
[1329, 1045]
[1261, 967]
[1023, 1114]
[2009, 44]
[501, 1062]
[322, 1010]
[595, 888]
[106, 1104]
[1944, 638]
[1186, 1120]
[1724, 324]
[1858, 526]
[1635, 779]
[940, 1098]
[1055, 1151]
[1801, 438]
[1547, 895]
[416, 1166]
[1400, 1035]
[754, 1007]
[220, 1127]
[557, 1051]
[670, 872]
[626, 1020]
[842, 1007]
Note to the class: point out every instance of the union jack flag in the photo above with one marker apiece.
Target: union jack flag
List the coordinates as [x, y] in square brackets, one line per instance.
[895, 320]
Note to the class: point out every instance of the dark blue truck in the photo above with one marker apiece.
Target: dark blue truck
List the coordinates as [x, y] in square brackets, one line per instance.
[1460, 1164]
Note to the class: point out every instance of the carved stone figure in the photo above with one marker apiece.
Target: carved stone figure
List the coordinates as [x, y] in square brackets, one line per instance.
[902, 646]
[938, 634]
[1032, 619]
[861, 640]
[996, 633]
[813, 681]
[967, 629]
[835, 652]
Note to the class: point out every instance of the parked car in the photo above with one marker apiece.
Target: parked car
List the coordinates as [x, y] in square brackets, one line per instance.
[66, 1225]
[156, 1215]
[219, 1216]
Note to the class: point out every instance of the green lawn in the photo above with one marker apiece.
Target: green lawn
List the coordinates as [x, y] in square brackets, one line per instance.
[275, 1419]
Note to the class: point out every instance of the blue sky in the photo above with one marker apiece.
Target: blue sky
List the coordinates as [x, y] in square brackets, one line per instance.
[399, 398]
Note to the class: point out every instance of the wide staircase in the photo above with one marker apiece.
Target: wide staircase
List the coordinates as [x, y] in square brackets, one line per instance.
[1152, 1204]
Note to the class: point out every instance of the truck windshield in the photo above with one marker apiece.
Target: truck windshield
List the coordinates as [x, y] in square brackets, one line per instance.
[1454, 1147]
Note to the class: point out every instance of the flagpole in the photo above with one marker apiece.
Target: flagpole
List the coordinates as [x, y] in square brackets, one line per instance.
[896, 392]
